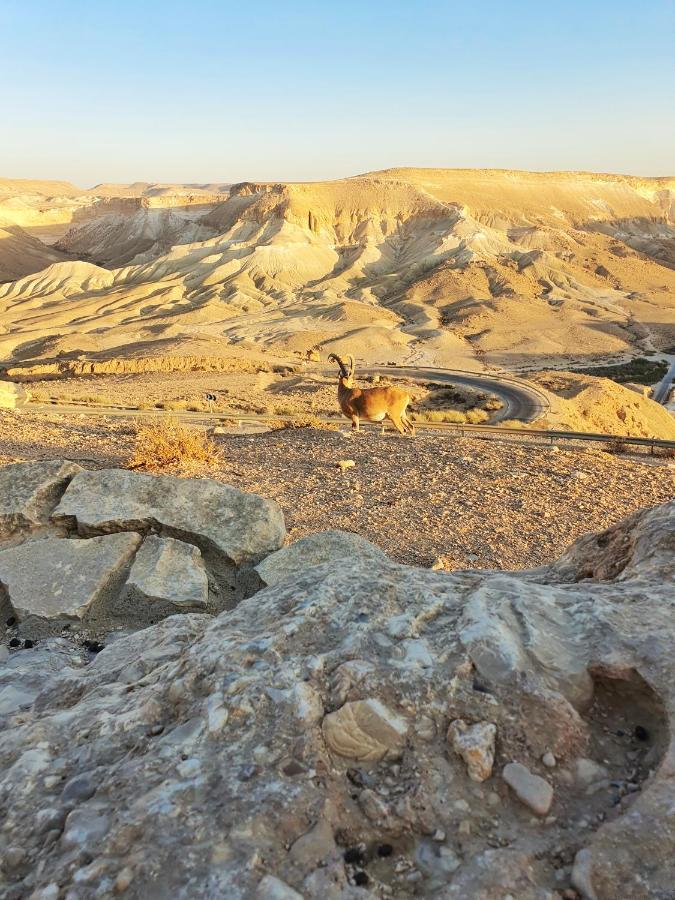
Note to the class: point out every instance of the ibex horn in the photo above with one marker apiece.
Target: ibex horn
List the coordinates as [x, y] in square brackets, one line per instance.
[337, 359]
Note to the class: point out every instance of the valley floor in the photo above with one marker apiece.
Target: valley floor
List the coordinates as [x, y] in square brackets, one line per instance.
[454, 502]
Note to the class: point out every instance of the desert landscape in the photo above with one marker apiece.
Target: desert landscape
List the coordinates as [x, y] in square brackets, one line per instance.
[246, 652]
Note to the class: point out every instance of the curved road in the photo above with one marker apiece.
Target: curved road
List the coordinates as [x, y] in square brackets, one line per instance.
[521, 400]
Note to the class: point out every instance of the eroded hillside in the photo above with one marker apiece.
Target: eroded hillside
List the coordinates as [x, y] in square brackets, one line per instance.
[458, 268]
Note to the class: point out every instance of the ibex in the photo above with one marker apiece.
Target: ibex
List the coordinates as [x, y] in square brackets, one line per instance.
[374, 404]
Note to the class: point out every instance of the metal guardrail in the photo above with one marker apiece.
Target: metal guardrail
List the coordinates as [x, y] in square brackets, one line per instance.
[553, 436]
[459, 428]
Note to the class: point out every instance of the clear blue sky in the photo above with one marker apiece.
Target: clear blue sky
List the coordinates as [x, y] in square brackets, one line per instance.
[227, 91]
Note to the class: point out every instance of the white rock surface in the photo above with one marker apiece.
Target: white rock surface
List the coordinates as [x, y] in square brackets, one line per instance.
[334, 547]
[240, 526]
[167, 576]
[63, 580]
[12, 395]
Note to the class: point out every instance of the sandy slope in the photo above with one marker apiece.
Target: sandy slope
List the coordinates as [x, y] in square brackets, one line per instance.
[584, 403]
[457, 268]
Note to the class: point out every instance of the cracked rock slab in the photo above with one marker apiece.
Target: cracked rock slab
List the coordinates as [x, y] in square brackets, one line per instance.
[56, 579]
[167, 573]
[30, 491]
[242, 527]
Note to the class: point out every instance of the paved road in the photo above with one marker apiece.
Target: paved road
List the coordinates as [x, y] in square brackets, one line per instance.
[662, 389]
[521, 400]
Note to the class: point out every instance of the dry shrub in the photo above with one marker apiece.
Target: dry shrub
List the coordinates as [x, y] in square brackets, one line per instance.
[616, 446]
[167, 443]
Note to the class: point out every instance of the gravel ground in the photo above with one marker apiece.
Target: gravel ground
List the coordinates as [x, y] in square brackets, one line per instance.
[457, 502]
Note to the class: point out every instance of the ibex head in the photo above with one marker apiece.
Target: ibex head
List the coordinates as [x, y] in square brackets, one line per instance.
[346, 374]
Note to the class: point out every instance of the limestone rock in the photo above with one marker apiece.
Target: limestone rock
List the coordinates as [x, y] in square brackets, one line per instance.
[167, 576]
[312, 848]
[65, 580]
[205, 773]
[532, 790]
[336, 547]
[12, 395]
[237, 525]
[29, 492]
[271, 888]
[25, 674]
[364, 729]
[476, 745]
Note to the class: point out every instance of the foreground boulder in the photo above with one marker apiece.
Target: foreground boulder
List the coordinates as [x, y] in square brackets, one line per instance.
[335, 547]
[111, 548]
[298, 745]
[242, 527]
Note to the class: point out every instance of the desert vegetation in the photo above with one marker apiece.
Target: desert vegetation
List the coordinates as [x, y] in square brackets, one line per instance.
[166, 444]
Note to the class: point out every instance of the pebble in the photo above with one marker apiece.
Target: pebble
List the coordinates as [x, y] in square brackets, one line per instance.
[344, 464]
[476, 745]
[581, 874]
[123, 880]
[532, 790]
[548, 760]
[79, 788]
[12, 858]
[589, 772]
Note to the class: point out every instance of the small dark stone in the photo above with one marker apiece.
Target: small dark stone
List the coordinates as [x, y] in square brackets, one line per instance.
[11, 621]
[93, 646]
[477, 686]
[359, 778]
[353, 856]
[641, 733]
[619, 732]
[293, 768]
[15, 642]
[28, 644]
[385, 850]
[361, 879]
